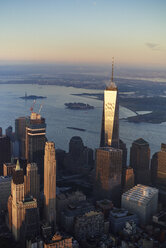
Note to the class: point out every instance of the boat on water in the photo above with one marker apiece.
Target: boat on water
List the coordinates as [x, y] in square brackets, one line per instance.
[78, 129]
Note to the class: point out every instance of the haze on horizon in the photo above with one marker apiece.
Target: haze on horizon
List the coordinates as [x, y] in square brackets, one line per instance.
[83, 31]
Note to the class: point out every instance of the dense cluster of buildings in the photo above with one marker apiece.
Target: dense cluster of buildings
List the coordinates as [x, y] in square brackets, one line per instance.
[50, 198]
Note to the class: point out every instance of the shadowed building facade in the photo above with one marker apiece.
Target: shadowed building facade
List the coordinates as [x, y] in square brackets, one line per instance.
[140, 161]
[108, 174]
[158, 172]
[50, 183]
[5, 151]
[79, 159]
[20, 127]
[32, 181]
[35, 141]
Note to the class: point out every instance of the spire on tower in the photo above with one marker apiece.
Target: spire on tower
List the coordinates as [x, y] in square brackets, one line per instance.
[112, 85]
[112, 69]
[17, 165]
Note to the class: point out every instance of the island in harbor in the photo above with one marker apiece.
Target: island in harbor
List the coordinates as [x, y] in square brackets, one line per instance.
[78, 106]
[32, 97]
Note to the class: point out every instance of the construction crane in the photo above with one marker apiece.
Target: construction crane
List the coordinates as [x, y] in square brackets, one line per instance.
[31, 108]
[40, 108]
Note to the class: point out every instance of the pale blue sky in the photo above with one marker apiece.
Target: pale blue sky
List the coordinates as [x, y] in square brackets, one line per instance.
[84, 31]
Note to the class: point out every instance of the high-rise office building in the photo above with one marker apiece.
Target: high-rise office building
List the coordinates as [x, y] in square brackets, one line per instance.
[20, 127]
[79, 159]
[127, 179]
[17, 193]
[5, 151]
[50, 183]
[8, 169]
[110, 118]
[32, 181]
[23, 211]
[108, 174]
[123, 147]
[161, 167]
[140, 161]
[158, 172]
[5, 191]
[35, 141]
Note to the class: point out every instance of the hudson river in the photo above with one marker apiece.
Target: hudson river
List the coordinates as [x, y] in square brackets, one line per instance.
[58, 117]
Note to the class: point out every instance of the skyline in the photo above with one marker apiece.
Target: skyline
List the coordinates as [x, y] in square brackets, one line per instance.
[83, 32]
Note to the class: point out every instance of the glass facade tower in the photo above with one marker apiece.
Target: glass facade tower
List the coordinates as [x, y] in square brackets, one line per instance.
[110, 119]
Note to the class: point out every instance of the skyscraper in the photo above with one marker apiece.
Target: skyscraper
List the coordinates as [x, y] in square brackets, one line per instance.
[50, 183]
[17, 193]
[158, 172]
[5, 151]
[108, 174]
[35, 141]
[32, 181]
[20, 126]
[140, 161]
[23, 211]
[110, 119]
[127, 178]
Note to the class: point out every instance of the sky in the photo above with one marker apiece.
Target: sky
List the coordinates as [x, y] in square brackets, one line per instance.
[83, 31]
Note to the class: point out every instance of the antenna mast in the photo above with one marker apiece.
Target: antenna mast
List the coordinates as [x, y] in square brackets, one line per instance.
[112, 69]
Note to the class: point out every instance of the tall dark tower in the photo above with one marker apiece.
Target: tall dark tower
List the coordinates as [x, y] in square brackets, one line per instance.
[110, 119]
[5, 151]
[20, 125]
[35, 141]
[158, 173]
[140, 161]
[108, 174]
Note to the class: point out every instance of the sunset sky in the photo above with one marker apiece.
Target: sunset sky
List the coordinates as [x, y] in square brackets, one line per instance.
[83, 31]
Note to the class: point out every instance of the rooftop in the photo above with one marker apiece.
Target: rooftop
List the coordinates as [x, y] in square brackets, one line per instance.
[119, 212]
[92, 213]
[5, 178]
[111, 86]
[140, 194]
[141, 141]
[29, 200]
[109, 149]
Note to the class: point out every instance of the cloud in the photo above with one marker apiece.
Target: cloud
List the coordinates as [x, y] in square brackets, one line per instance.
[94, 3]
[153, 46]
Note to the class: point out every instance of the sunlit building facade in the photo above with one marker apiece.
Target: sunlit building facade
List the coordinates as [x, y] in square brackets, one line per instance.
[50, 183]
[110, 119]
[35, 141]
